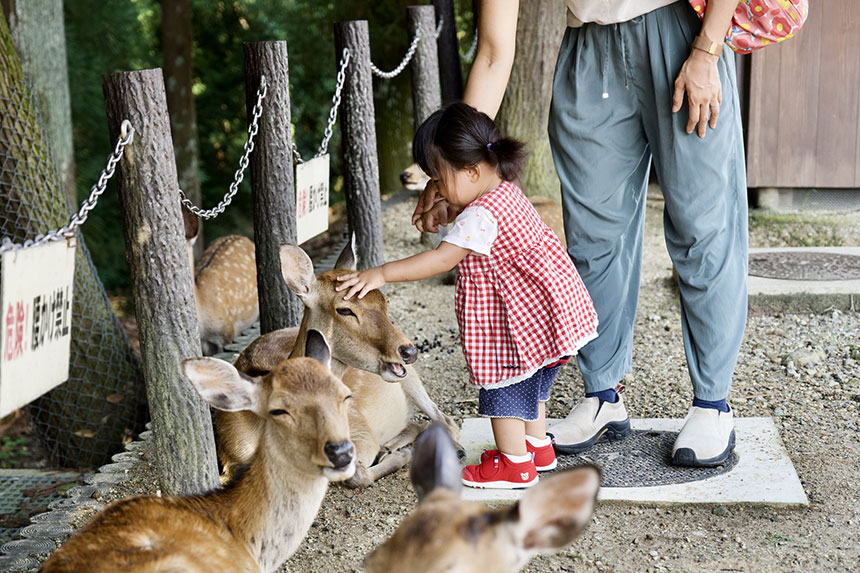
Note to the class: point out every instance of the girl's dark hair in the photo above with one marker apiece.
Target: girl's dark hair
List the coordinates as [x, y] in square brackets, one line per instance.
[458, 135]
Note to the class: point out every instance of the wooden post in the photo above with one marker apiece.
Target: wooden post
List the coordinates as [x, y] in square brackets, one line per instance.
[272, 185]
[449, 52]
[161, 281]
[426, 97]
[358, 133]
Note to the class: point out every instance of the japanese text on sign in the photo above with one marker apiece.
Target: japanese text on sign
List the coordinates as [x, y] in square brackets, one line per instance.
[312, 190]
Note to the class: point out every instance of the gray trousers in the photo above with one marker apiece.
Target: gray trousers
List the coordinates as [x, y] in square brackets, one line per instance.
[611, 115]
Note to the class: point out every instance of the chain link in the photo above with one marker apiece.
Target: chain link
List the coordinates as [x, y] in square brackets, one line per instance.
[396, 71]
[332, 114]
[239, 175]
[467, 57]
[77, 219]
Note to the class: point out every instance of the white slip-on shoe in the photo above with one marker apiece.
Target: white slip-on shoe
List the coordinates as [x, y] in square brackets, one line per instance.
[706, 440]
[588, 422]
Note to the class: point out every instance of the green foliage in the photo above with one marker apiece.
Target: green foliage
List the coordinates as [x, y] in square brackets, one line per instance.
[106, 37]
[11, 451]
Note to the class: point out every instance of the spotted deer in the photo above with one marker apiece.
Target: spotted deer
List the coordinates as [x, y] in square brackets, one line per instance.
[448, 534]
[414, 179]
[368, 352]
[256, 522]
[225, 286]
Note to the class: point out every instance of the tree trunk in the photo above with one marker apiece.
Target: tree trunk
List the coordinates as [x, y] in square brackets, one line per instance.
[525, 109]
[161, 281]
[40, 40]
[451, 75]
[358, 137]
[272, 187]
[82, 422]
[426, 96]
[176, 41]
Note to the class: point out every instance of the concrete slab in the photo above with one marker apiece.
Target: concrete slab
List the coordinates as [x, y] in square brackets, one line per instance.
[780, 295]
[764, 473]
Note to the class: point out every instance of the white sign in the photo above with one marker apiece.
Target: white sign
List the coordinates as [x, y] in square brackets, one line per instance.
[36, 321]
[312, 198]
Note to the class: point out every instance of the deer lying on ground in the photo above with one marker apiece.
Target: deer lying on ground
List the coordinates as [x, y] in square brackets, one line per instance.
[414, 179]
[258, 521]
[225, 286]
[446, 533]
[369, 354]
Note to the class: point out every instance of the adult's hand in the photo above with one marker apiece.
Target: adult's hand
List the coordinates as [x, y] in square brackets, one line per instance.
[429, 199]
[700, 80]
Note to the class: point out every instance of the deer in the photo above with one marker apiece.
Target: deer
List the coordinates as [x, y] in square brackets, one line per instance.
[369, 354]
[256, 522]
[413, 178]
[446, 533]
[225, 286]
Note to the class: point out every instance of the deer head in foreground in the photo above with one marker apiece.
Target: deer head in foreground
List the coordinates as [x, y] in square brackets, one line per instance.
[256, 522]
[225, 286]
[448, 534]
[368, 351]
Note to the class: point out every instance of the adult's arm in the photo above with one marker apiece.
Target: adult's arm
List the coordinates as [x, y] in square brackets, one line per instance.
[485, 86]
[699, 77]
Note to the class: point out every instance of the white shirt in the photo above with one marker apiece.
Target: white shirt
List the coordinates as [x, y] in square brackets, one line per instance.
[475, 228]
[609, 11]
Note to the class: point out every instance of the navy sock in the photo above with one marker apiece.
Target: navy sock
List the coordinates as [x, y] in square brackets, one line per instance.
[608, 395]
[720, 405]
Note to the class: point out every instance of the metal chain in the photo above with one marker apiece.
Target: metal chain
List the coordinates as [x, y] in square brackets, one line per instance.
[332, 114]
[239, 175]
[77, 219]
[393, 73]
[467, 57]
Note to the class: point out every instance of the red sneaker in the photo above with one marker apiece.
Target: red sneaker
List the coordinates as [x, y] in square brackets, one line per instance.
[544, 456]
[497, 471]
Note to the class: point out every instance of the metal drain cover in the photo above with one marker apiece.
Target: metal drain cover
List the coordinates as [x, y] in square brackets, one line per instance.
[805, 266]
[641, 459]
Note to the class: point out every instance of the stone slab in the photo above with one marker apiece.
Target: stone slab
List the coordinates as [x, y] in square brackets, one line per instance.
[763, 475]
[781, 295]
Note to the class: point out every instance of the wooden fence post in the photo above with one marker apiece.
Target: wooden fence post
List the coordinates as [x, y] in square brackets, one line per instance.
[426, 97]
[358, 136]
[161, 281]
[272, 186]
[449, 52]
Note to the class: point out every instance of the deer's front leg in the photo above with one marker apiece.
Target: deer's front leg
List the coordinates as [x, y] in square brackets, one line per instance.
[417, 394]
[407, 435]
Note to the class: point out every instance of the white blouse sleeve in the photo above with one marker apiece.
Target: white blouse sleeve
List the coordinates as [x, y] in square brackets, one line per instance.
[475, 228]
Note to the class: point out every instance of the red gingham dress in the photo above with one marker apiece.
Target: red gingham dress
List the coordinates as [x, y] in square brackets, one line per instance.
[523, 306]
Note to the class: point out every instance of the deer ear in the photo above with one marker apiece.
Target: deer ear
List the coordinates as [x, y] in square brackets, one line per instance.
[192, 225]
[347, 259]
[435, 463]
[317, 347]
[297, 270]
[221, 385]
[555, 511]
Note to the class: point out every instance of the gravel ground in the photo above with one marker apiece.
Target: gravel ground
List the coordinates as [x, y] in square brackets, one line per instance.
[804, 370]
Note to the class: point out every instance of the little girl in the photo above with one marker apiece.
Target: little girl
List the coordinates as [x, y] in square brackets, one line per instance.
[521, 307]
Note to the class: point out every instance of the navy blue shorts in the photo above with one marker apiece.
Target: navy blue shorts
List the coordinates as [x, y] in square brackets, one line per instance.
[518, 400]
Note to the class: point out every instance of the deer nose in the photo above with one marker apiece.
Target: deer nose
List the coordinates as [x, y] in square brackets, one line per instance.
[408, 353]
[404, 177]
[339, 454]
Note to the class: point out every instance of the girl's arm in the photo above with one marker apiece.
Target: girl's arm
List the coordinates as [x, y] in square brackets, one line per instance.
[421, 266]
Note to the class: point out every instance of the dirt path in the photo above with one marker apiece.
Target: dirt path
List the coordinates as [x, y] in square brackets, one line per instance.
[815, 406]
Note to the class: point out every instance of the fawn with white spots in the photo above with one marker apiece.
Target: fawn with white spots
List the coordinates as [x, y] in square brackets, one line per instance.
[368, 352]
[448, 534]
[225, 286]
[257, 521]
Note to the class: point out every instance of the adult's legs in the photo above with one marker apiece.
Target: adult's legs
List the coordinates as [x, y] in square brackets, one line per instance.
[603, 159]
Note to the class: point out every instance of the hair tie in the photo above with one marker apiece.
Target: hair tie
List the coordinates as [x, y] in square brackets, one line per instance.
[488, 146]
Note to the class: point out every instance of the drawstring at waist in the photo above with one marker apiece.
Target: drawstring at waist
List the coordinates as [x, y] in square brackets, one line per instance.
[606, 56]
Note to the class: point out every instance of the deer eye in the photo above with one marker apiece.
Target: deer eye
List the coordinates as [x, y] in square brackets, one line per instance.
[344, 311]
[277, 412]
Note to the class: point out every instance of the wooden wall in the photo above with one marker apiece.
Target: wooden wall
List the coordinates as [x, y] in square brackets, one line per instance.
[804, 103]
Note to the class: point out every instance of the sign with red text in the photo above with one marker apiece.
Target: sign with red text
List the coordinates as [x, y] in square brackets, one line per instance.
[312, 198]
[36, 298]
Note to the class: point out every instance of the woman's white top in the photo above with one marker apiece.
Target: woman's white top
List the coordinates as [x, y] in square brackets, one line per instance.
[475, 228]
[609, 11]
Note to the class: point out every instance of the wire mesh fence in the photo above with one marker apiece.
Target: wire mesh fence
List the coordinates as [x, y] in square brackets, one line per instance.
[85, 420]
